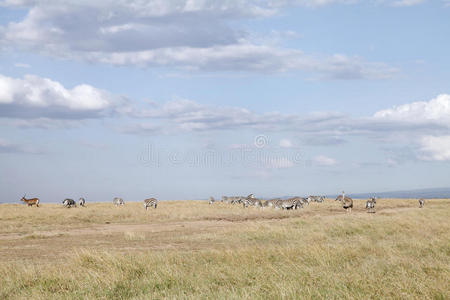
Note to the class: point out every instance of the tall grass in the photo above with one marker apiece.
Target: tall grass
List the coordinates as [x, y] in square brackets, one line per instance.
[402, 252]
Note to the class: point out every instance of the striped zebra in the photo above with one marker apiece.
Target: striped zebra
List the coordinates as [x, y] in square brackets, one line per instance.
[271, 202]
[231, 199]
[370, 205]
[250, 200]
[118, 201]
[150, 202]
[421, 202]
[301, 202]
[291, 203]
[211, 200]
[82, 202]
[69, 203]
[347, 202]
[318, 199]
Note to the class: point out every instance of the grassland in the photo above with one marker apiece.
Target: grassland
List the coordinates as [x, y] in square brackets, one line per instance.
[192, 250]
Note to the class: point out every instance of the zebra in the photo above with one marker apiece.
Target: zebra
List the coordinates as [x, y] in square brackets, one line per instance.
[82, 202]
[150, 202]
[211, 200]
[347, 202]
[318, 199]
[271, 202]
[251, 200]
[370, 205]
[290, 203]
[69, 203]
[421, 202]
[301, 202]
[118, 201]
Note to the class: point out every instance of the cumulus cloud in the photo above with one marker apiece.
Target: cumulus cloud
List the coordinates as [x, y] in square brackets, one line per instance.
[37, 97]
[323, 160]
[183, 34]
[436, 110]
[435, 148]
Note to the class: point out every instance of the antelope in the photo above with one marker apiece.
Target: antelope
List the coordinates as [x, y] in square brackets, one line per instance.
[31, 201]
[82, 202]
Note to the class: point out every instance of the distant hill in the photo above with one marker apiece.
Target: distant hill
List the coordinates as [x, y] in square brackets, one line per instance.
[419, 193]
[441, 193]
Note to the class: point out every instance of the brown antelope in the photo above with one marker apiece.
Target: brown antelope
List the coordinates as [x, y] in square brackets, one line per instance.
[31, 201]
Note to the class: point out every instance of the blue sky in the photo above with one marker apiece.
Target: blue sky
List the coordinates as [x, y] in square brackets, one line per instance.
[187, 99]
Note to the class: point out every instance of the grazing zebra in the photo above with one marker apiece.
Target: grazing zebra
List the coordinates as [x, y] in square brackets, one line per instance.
[347, 202]
[150, 202]
[301, 202]
[421, 202]
[118, 201]
[251, 200]
[69, 203]
[271, 202]
[211, 200]
[82, 202]
[370, 205]
[31, 201]
[235, 199]
[291, 203]
[318, 199]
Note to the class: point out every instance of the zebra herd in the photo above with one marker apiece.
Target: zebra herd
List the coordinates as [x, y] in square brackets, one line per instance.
[71, 203]
[150, 202]
[278, 203]
[250, 200]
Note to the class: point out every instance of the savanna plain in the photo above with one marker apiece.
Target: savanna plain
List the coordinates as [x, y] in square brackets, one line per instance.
[193, 250]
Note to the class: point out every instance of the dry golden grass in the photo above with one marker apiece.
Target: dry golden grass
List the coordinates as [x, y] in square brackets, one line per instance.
[189, 249]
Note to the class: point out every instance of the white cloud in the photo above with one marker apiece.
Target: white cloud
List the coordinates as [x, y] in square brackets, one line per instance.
[435, 148]
[285, 143]
[323, 160]
[184, 34]
[35, 97]
[436, 110]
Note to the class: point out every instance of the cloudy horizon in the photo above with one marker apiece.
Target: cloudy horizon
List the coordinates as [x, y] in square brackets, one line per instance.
[186, 99]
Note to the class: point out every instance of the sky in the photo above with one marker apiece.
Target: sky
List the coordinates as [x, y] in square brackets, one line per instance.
[187, 99]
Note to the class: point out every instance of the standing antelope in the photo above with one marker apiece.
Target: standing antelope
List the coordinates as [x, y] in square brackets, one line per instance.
[212, 200]
[31, 201]
[82, 202]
